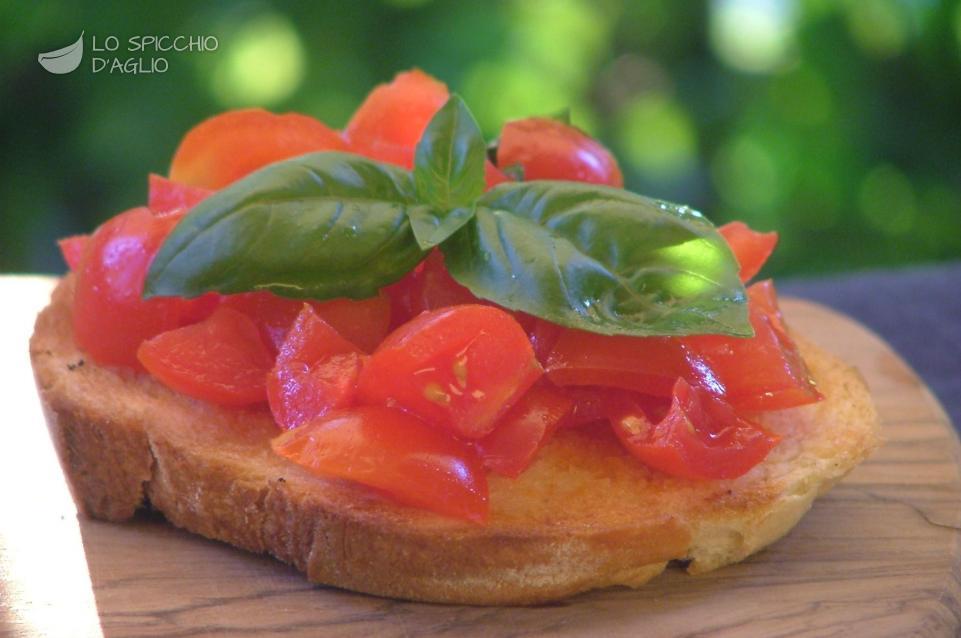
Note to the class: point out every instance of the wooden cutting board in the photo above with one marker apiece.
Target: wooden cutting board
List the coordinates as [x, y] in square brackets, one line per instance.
[878, 556]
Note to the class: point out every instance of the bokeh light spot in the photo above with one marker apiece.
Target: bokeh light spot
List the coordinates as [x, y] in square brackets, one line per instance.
[745, 173]
[803, 97]
[879, 27]
[756, 36]
[262, 63]
[658, 137]
[503, 91]
[562, 37]
[887, 200]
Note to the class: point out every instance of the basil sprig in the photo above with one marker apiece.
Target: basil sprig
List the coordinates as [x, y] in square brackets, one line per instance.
[327, 225]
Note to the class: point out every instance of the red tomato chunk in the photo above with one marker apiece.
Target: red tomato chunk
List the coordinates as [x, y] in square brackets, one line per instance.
[166, 196]
[363, 322]
[700, 437]
[72, 249]
[395, 452]
[750, 247]
[764, 372]
[524, 430]
[110, 319]
[316, 371]
[221, 359]
[459, 368]
[549, 149]
[226, 147]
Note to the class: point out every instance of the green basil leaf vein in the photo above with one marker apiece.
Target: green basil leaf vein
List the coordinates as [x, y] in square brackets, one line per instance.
[600, 259]
[448, 172]
[319, 226]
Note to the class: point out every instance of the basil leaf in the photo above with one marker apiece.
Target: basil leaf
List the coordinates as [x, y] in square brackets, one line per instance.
[431, 228]
[600, 259]
[448, 172]
[317, 226]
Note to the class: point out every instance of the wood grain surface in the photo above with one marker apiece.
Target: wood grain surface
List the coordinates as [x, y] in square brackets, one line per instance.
[878, 556]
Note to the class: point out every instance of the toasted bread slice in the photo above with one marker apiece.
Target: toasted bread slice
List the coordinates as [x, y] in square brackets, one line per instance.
[585, 515]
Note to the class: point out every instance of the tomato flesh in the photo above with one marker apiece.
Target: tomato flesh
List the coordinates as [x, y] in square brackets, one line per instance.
[72, 249]
[363, 322]
[549, 149]
[649, 365]
[395, 452]
[166, 196]
[764, 372]
[427, 287]
[315, 372]
[510, 448]
[459, 368]
[750, 247]
[110, 319]
[226, 147]
[391, 120]
[700, 437]
[221, 359]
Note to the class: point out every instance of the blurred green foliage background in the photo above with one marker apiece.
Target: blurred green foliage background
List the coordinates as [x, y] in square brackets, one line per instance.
[835, 123]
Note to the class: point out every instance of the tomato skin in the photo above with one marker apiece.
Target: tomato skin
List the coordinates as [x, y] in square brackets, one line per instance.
[428, 287]
[226, 147]
[459, 368]
[315, 372]
[72, 249]
[649, 365]
[364, 322]
[700, 437]
[221, 359]
[543, 334]
[110, 320]
[549, 149]
[764, 372]
[166, 196]
[493, 175]
[395, 452]
[750, 247]
[391, 120]
[510, 448]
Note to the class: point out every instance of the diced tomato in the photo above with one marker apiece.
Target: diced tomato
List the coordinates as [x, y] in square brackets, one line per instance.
[364, 322]
[390, 122]
[166, 196]
[524, 430]
[764, 372]
[750, 247]
[700, 437]
[460, 368]
[493, 176]
[221, 359]
[427, 287]
[763, 297]
[549, 149]
[649, 365]
[315, 372]
[110, 319]
[395, 452]
[228, 146]
[72, 249]
[543, 334]
[594, 403]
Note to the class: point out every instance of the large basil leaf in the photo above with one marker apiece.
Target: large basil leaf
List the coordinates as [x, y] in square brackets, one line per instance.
[321, 225]
[600, 259]
[448, 173]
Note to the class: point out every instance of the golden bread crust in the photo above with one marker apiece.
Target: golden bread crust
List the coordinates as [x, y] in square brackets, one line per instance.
[584, 516]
